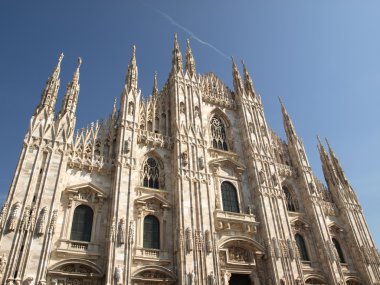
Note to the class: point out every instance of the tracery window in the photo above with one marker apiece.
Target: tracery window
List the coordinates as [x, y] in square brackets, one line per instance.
[151, 232]
[301, 247]
[338, 250]
[218, 134]
[151, 174]
[82, 223]
[229, 197]
[291, 204]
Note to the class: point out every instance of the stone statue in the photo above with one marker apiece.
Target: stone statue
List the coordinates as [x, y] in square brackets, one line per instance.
[118, 275]
[121, 232]
[211, 278]
[3, 262]
[28, 280]
[189, 240]
[13, 218]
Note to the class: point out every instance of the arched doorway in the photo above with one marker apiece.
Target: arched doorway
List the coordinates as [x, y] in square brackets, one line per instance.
[239, 279]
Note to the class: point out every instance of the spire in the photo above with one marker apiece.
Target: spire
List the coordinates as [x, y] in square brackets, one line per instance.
[132, 74]
[327, 168]
[177, 56]
[337, 165]
[155, 88]
[248, 83]
[190, 62]
[50, 93]
[70, 99]
[238, 85]
[288, 124]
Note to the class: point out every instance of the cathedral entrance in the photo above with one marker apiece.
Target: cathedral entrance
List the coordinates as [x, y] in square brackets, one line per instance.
[239, 279]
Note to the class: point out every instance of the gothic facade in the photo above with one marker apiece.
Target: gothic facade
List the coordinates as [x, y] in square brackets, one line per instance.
[189, 186]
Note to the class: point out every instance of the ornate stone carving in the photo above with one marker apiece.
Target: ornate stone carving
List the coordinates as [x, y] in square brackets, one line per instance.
[121, 231]
[208, 241]
[189, 240]
[185, 157]
[3, 263]
[131, 232]
[41, 222]
[201, 163]
[226, 277]
[112, 230]
[29, 280]
[53, 222]
[192, 278]
[12, 223]
[238, 254]
[118, 275]
[211, 278]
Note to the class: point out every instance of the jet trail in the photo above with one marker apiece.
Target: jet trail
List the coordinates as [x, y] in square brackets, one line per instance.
[189, 32]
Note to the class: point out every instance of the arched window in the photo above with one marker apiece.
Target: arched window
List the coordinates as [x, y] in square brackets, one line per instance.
[229, 197]
[301, 247]
[218, 134]
[291, 205]
[151, 232]
[151, 173]
[82, 223]
[338, 250]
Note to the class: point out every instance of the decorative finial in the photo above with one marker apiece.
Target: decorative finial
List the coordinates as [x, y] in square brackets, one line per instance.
[60, 58]
[79, 62]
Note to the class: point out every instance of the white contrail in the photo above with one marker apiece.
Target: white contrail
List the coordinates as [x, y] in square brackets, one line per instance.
[190, 33]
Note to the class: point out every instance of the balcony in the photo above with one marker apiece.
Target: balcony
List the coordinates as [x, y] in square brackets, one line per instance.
[236, 222]
[152, 254]
[78, 248]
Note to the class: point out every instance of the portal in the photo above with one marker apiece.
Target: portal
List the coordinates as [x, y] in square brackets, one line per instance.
[240, 279]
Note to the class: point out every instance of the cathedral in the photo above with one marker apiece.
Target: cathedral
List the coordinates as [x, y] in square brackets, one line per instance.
[189, 186]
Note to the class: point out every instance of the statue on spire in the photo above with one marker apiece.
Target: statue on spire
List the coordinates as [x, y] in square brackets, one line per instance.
[132, 73]
[238, 85]
[248, 83]
[70, 99]
[177, 56]
[190, 62]
[50, 93]
[155, 87]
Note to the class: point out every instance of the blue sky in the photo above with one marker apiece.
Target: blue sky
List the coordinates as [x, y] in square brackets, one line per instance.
[321, 57]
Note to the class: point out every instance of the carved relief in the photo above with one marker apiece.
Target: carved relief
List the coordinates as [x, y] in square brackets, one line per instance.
[118, 275]
[131, 232]
[238, 254]
[3, 263]
[41, 222]
[208, 241]
[121, 232]
[189, 240]
[12, 222]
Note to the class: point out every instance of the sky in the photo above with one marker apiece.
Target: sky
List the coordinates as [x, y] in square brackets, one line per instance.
[321, 57]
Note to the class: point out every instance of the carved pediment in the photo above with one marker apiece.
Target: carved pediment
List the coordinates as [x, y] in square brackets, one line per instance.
[299, 224]
[86, 192]
[153, 199]
[335, 228]
[226, 166]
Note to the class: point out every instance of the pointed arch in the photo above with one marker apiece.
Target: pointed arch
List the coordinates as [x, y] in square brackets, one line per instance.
[219, 130]
[152, 172]
[291, 201]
